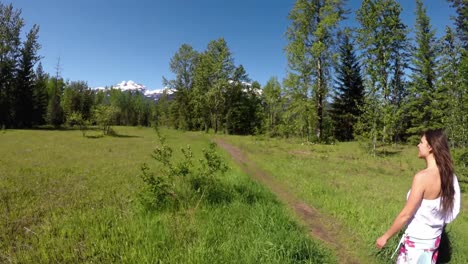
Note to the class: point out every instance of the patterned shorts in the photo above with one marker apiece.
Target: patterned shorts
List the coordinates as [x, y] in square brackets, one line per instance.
[418, 251]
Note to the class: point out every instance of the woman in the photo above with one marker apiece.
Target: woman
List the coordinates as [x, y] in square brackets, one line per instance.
[432, 202]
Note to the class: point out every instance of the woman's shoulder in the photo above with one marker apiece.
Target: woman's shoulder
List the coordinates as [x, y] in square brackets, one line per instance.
[421, 175]
[425, 176]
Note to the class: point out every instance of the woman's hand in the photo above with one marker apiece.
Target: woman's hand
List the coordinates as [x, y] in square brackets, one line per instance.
[380, 242]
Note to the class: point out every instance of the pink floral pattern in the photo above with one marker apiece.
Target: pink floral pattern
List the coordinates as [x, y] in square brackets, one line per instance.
[412, 251]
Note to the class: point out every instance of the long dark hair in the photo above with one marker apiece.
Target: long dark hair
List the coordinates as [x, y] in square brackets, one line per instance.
[440, 148]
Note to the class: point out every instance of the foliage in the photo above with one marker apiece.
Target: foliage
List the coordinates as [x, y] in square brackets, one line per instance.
[76, 119]
[178, 182]
[382, 37]
[104, 116]
[40, 96]
[55, 114]
[272, 107]
[11, 24]
[423, 93]
[24, 102]
[183, 65]
[459, 98]
[210, 92]
[77, 98]
[310, 57]
[349, 91]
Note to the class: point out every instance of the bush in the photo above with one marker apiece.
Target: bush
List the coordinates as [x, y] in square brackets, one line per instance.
[180, 183]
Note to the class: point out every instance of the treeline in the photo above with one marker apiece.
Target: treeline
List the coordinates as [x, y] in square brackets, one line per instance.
[370, 83]
[30, 97]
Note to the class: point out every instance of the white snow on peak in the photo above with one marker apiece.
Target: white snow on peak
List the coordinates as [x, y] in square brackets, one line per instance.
[129, 85]
[133, 86]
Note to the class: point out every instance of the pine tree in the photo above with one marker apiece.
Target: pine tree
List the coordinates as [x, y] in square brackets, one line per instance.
[55, 114]
[11, 24]
[423, 103]
[40, 96]
[399, 99]
[450, 87]
[349, 92]
[310, 57]
[234, 115]
[461, 22]
[24, 92]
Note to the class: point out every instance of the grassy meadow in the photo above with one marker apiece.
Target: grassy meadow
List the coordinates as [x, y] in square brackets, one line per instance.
[65, 198]
[363, 193]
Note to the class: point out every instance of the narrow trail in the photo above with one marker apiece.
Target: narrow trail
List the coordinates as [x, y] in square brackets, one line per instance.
[318, 225]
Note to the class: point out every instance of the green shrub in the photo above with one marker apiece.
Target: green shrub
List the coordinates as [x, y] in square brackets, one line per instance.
[182, 182]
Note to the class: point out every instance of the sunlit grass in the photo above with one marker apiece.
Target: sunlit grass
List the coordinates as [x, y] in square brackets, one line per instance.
[363, 193]
[65, 198]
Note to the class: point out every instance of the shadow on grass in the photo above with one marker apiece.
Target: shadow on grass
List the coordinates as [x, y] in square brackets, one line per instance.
[111, 135]
[63, 128]
[123, 136]
[94, 136]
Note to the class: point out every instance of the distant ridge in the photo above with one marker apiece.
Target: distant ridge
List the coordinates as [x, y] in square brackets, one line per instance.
[134, 86]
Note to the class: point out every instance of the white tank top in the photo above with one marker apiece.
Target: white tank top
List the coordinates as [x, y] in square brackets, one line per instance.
[428, 221]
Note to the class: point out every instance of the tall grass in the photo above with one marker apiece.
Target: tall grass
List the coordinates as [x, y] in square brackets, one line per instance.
[71, 199]
[363, 193]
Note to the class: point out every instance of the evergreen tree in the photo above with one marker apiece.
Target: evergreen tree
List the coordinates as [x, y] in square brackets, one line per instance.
[310, 56]
[10, 27]
[23, 106]
[243, 108]
[77, 98]
[423, 106]
[450, 87]
[234, 103]
[399, 99]
[55, 114]
[349, 91]
[461, 22]
[381, 36]
[40, 96]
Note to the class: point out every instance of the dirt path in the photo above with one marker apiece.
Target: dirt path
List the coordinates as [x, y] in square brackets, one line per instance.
[319, 226]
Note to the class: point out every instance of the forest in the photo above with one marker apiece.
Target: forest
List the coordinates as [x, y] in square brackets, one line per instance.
[370, 83]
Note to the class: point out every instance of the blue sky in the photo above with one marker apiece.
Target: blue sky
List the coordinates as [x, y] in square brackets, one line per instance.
[106, 41]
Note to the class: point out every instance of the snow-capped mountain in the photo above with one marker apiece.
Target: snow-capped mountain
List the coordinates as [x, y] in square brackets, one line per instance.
[133, 86]
[130, 85]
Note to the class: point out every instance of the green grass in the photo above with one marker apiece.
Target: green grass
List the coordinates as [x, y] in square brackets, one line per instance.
[65, 198]
[362, 192]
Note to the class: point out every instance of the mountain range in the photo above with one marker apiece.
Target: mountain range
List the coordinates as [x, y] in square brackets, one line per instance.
[133, 86]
